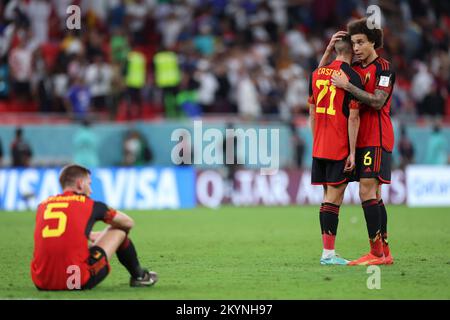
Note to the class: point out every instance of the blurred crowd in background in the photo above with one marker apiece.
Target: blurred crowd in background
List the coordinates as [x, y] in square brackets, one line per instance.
[250, 58]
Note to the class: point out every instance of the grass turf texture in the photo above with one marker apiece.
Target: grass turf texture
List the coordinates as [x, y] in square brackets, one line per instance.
[253, 253]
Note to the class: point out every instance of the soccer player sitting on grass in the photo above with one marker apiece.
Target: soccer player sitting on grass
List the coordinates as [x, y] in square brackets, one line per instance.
[63, 229]
[376, 135]
[334, 116]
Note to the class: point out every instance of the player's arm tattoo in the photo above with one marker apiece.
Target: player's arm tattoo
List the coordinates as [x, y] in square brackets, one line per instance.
[376, 100]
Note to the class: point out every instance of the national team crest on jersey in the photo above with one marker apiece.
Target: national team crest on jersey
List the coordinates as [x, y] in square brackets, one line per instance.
[367, 78]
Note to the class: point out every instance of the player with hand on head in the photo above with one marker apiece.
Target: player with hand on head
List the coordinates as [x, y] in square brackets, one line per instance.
[334, 117]
[376, 135]
[63, 229]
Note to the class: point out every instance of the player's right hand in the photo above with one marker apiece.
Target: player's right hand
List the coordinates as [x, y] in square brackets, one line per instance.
[93, 236]
[336, 37]
[350, 163]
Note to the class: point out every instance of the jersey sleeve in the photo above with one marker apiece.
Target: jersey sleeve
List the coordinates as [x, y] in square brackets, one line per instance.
[102, 212]
[385, 79]
[354, 79]
[311, 92]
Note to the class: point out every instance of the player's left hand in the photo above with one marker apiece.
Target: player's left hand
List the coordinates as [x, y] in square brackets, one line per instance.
[350, 163]
[340, 80]
[336, 37]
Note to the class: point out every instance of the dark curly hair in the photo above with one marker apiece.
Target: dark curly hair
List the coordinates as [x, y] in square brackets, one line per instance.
[373, 35]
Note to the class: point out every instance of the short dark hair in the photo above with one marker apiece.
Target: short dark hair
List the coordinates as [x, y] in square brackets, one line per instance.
[69, 174]
[344, 45]
[374, 35]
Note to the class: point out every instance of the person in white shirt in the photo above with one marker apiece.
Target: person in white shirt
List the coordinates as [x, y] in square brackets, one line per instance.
[98, 77]
[21, 66]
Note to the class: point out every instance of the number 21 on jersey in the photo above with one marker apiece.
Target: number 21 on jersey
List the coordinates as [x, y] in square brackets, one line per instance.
[325, 87]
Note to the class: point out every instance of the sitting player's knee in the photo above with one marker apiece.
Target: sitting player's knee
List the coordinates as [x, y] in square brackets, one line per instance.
[130, 224]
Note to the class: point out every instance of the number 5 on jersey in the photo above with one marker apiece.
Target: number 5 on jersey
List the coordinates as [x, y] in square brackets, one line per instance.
[52, 212]
[325, 85]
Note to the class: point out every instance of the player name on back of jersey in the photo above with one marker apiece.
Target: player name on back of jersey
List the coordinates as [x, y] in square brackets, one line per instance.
[75, 197]
[328, 71]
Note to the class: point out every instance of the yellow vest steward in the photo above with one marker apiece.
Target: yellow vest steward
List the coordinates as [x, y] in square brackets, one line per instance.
[167, 72]
[137, 69]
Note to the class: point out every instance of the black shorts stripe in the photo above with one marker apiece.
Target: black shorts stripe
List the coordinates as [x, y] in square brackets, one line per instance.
[379, 166]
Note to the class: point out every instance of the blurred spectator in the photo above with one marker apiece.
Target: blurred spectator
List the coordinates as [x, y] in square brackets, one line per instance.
[170, 28]
[406, 149]
[117, 13]
[296, 92]
[266, 38]
[433, 104]
[187, 97]
[99, 78]
[21, 62]
[204, 41]
[85, 143]
[20, 150]
[167, 78]
[97, 10]
[137, 12]
[42, 84]
[39, 13]
[437, 148]
[222, 101]
[136, 150]
[78, 99]
[60, 86]
[120, 48]
[421, 84]
[247, 98]
[4, 79]
[72, 43]
[208, 85]
[135, 81]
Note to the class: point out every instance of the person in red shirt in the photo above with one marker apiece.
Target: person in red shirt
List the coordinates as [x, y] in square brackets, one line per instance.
[62, 258]
[376, 135]
[334, 116]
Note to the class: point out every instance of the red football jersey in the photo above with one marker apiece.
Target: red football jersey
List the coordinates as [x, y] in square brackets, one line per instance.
[332, 108]
[375, 128]
[63, 225]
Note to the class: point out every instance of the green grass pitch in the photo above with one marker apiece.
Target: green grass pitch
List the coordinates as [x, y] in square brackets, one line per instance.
[253, 253]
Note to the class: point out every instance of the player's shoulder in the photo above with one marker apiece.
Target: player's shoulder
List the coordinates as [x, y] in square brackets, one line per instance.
[356, 64]
[382, 65]
[352, 74]
[316, 70]
[348, 69]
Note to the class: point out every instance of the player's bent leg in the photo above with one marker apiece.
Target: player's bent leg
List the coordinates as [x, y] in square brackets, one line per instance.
[368, 194]
[110, 240]
[329, 218]
[115, 241]
[98, 267]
